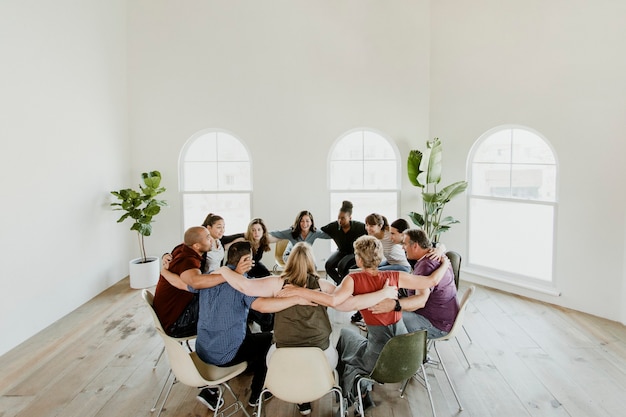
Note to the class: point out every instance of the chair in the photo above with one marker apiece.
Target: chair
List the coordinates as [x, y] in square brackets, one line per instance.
[401, 359]
[149, 299]
[455, 261]
[189, 369]
[300, 375]
[458, 323]
[281, 245]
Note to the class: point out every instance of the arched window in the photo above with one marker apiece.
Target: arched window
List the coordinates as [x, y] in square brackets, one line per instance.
[512, 206]
[363, 168]
[215, 177]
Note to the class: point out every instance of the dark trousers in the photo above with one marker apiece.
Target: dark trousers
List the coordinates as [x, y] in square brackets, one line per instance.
[338, 265]
[254, 350]
[187, 323]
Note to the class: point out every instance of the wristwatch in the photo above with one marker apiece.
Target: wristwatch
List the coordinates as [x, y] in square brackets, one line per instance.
[398, 307]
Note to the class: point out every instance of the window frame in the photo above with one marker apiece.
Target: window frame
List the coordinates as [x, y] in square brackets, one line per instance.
[504, 276]
[181, 177]
[347, 192]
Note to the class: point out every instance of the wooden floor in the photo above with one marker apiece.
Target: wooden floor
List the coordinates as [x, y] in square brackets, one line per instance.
[528, 359]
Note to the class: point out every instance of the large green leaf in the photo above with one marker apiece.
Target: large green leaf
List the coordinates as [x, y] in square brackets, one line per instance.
[433, 175]
[452, 190]
[416, 218]
[152, 179]
[413, 167]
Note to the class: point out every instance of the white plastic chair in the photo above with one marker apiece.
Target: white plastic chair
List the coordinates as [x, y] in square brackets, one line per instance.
[456, 327]
[189, 369]
[149, 299]
[300, 375]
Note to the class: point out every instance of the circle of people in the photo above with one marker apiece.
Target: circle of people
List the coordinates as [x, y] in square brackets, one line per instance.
[196, 295]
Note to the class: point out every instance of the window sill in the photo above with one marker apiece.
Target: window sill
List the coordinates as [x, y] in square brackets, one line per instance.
[501, 281]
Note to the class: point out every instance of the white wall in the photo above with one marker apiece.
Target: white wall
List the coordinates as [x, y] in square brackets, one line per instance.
[287, 77]
[557, 67]
[63, 145]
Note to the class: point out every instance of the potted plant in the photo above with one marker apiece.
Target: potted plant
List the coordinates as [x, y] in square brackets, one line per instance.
[141, 206]
[426, 174]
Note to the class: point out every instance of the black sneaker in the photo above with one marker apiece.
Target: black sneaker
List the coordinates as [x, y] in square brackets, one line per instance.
[254, 398]
[305, 408]
[208, 397]
[356, 317]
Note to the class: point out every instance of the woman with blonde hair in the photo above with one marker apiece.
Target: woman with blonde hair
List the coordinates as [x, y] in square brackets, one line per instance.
[357, 354]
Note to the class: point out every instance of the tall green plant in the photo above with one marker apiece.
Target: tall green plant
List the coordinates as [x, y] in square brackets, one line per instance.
[433, 201]
[141, 206]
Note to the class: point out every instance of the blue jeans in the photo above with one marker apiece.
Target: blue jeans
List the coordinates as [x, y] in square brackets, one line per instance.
[386, 266]
[415, 322]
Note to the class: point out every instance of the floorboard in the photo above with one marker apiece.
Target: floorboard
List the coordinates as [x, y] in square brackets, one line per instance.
[528, 359]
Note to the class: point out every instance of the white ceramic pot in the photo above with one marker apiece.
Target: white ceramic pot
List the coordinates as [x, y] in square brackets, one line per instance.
[144, 275]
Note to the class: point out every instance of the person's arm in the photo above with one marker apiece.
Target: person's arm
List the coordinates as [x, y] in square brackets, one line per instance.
[361, 301]
[411, 303]
[327, 286]
[173, 279]
[197, 280]
[228, 239]
[342, 299]
[341, 293]
[276, 235]
[320, 234]
[274, 304]
[420, 282]
[258, 287]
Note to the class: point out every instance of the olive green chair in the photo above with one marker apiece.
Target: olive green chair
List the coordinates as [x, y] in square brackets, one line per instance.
[401, 359]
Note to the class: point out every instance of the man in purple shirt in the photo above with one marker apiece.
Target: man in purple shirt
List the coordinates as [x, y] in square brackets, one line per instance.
[433, 309]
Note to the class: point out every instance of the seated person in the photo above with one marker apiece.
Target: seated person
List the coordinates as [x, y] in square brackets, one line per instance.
[433, 309]
[357, 354]
[177, 308]
[301, 325]
[344, 232]
[223, 339]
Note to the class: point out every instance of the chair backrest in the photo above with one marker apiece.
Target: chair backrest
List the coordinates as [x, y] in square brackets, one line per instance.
[181, 361]
[455, 262]
[281, 245]
[299, 374]
[149, 299]
[460, 317]
[400, 358]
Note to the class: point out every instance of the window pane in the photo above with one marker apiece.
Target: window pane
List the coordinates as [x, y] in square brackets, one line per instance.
[496, 148]
[203, 148]
[234, 176]
[349, 148]
[376, 147]
[491, 180]
[346, 175]
[535, 182]
[530, 148]
[200, 176]
[512, 236]
[234, 208]
[380, 175]
[230, 148]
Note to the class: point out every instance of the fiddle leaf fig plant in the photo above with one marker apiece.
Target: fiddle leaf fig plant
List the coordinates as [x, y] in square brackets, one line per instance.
[426, 174]
[141, 206]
